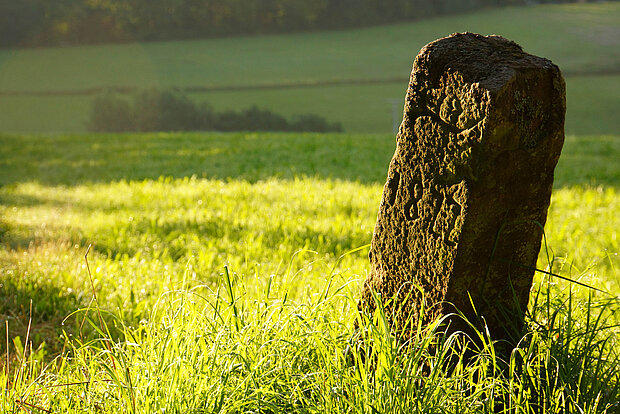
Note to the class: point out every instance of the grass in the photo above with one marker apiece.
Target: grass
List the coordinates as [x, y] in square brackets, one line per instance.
[579, 38]
[372, 53]
[591, 106]
[226, 276]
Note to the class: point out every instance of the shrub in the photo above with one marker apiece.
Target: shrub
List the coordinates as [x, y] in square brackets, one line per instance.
[251, 119]
[171, 110]
[155, 110]
[111, 113]
[314, 123]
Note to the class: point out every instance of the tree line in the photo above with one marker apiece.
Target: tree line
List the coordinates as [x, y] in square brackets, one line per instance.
[68, 22]
[171, 110]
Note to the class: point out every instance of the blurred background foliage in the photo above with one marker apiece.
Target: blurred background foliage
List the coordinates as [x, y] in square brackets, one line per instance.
[70, 22]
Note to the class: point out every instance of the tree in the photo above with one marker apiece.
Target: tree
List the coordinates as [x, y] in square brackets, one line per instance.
[20, 21]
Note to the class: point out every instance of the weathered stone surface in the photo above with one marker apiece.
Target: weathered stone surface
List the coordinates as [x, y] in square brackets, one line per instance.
[469, 184]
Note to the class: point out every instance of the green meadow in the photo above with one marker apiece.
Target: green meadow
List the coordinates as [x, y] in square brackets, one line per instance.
[219, 272]
[224, 270]
[326, 73]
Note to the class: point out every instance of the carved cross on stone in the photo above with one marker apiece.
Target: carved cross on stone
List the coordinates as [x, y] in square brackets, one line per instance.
[468, 188]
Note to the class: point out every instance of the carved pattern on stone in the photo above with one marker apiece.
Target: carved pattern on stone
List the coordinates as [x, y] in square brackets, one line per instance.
[481, 133]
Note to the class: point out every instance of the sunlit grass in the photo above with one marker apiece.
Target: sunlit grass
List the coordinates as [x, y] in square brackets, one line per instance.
[229, 292]
[220, 349]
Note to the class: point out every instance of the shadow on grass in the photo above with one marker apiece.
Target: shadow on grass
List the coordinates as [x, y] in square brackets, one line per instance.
[71, 160]
[50, 305]
[180, 236]
[35, 304]
[183, 239]
[15, 237]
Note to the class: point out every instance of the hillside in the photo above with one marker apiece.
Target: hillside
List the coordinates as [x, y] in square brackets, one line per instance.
[351, 76]
[45, 23]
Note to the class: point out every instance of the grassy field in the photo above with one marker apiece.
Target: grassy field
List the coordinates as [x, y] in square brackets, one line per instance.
[223, 281]
[219, 273]
[581, 39]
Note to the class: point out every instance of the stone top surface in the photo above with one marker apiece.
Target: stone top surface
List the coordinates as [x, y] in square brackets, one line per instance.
[488, 60]
[467, 191]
